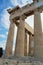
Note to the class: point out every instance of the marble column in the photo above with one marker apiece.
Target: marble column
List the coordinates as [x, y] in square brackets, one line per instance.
[30, 38]
[40, 0]
[9, 44]
[19, 49]
[31, 45]
[35, 1]
[38, 43]
[25, 45]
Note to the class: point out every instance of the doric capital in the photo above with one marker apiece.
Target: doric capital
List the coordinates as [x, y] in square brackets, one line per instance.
[12, 20]
[35, 0]
[37, 10]
[23, 17]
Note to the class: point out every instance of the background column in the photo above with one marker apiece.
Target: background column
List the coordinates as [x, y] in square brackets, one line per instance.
[31, 45]
[25, 45]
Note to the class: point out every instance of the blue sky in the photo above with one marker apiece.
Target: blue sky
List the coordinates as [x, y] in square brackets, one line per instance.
[4, 18]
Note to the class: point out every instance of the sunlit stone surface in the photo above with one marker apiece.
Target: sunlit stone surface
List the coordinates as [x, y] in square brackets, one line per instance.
[35, 56]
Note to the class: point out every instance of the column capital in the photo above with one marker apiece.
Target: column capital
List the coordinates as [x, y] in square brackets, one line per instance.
[35, 0]
[23, 17]
[37, 10]
[12, 20]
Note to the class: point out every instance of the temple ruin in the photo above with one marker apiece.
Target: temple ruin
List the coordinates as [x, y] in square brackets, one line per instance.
[20, 14]
[17, 17]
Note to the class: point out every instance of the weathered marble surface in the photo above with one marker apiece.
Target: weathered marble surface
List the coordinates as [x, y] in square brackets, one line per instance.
[21, 61]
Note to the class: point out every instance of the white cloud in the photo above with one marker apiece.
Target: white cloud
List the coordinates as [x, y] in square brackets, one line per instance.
[17, 2]
[7, 33]
[5, 18]
[14, 2]
[2, 36]
[26, 1]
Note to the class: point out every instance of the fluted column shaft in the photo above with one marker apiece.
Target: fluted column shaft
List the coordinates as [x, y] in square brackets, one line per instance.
[25, 45]
[9, 44]
[38, 43]
[19, 49]
[31, 45]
